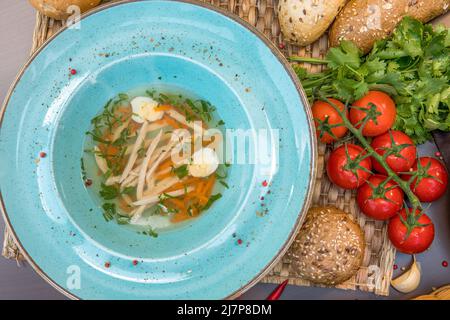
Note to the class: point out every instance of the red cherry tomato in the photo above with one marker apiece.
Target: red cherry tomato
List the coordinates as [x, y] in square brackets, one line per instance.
[418, 240]
[384, 143]
[431, 183]
[345, 167]
[384, 105]
[325, 115]
[379, 199]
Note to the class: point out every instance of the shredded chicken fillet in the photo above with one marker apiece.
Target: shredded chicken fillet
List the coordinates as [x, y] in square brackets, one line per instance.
[152, 200]
[134, 153]
[101, 162]
[144, 166]
[155, 198]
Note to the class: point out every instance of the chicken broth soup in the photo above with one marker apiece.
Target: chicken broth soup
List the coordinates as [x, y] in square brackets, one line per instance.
[153, 159]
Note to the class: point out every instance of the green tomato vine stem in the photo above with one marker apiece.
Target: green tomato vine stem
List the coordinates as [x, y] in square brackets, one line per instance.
[308, 60]
[411, 220]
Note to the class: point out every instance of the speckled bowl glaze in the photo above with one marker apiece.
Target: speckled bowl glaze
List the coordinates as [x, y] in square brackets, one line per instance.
[131, 44]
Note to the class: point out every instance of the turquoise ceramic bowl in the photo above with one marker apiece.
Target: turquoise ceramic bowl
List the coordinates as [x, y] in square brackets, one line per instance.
[130, 44]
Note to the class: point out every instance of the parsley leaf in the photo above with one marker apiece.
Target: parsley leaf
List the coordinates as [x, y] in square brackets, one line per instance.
[181, 171]
[129, 190]
[150, 232]
[109, 192]
[224, 184]
[211, 200]
[109, 211]
[347, 54]
[113, 191]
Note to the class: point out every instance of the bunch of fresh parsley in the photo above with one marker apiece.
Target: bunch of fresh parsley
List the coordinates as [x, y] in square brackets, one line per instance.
[413, 67]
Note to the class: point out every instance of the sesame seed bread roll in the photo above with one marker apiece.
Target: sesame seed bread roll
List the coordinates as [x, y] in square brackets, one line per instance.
[426, 10]
[304, 21]
[366, 21]
[329, 248]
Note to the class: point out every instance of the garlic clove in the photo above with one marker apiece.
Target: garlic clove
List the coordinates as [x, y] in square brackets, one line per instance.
[410, 280]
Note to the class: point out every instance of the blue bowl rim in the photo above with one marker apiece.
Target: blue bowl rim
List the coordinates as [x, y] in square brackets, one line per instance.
[281, 58]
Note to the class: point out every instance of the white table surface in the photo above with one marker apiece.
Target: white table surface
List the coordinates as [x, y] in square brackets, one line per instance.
[17, 19]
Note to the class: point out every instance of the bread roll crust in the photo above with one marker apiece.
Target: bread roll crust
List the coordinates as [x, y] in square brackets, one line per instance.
[57, 9]
[365, 21]
[427, 10]
[329, 248]
[361, 21]
[304, 21]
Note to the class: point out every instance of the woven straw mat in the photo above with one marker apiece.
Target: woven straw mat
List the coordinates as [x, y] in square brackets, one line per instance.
[376, 271]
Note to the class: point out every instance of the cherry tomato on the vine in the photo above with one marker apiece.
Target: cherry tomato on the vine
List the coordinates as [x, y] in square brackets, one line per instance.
[417, 239]
[401, 149]
[348, 166]
[382, 108]
[380, 198]
[430, 179]
[327, 119]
